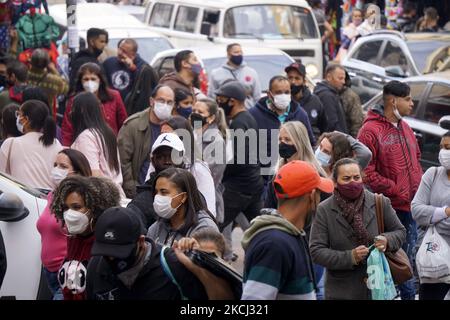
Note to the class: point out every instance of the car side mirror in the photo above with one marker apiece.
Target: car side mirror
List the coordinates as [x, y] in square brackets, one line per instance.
[395, 71]
[12, 208]
[444, 122]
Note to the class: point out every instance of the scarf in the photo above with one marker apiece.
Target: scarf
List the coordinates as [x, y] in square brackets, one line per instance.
[352, 211]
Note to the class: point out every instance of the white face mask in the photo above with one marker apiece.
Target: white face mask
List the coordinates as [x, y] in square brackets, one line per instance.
[322, 157]
[19, 125]
[91, 86]
[397, 113]
[162, 110]
[58, 174]
[444, 158]
[77, 222]
[282, 101]
[163, 206]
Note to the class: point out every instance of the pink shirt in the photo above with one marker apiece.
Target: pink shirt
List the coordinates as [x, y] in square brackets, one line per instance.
[53, 239]
[89, 144]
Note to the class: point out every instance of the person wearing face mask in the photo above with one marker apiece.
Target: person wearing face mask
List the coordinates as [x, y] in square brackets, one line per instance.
[187, 70]
[68, 162]
[138, 134]
[29, 158]
[350, 33]
[344, 227]
[179, 208]
[16, 83]
[184, 101]
[235, 68]
[277, 262]
[328, 93]
[126, 265]
[90, 78]
[77, 203]
[296, 74]
[395, 168]
[97, 40]
[431, 207]
[334, 146]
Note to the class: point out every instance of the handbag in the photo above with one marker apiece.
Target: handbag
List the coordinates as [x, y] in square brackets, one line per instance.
[380, 280]
[398, 261]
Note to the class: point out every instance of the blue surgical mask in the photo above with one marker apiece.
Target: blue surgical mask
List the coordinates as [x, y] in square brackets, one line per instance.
[196, 68]
[323, 158]
[184, 112]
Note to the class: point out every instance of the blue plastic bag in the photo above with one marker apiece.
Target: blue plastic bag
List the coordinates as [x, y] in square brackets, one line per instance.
[379, 275]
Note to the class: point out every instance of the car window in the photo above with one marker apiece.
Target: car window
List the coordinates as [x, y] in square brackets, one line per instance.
[368, 51]
[186, 19]
[394, 57]
[162, 12]
[429, 148]
[417, 89]
[166, 66]
[438, 103]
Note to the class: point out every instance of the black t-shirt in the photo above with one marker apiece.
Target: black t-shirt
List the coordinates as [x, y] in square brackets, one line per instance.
[152, 283]
[244, 176]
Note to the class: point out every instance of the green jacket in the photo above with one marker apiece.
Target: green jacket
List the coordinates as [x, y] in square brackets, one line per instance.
[134, 148]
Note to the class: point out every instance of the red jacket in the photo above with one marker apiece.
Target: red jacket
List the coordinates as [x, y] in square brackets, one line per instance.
[395, 169]
[113, 111]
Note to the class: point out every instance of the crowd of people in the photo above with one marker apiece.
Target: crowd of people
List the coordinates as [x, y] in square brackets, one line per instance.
[139, 171]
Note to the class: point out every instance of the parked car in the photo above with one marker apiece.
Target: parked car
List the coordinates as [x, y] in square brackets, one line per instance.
[289, 25]
[382, 56]
[20, 207]
[118, 23]
[136, 11]
[266, 61]
[431, 96]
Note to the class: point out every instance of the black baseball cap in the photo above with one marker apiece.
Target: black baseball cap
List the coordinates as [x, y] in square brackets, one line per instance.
[116, 233]
[300, 68]
[232, 89]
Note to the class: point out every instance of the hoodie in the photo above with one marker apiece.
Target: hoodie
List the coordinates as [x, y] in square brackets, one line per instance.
[174, 81]
[268, 119]
[395, 169]
[277, 261]
[333, 108]
[80, 58]
[247, 76]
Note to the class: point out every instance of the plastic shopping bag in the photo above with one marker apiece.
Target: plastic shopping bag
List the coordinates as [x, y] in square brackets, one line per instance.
[433, 258]
[379, 275]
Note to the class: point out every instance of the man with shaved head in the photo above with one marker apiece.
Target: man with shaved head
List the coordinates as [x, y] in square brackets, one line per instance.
[138, 134]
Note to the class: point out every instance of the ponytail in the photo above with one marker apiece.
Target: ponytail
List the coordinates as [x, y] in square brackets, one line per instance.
[49, 131]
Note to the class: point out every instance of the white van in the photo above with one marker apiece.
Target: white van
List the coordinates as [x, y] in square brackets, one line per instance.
[118, 23]
[288, 25]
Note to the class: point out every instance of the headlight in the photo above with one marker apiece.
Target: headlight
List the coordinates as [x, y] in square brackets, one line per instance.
[312, 70]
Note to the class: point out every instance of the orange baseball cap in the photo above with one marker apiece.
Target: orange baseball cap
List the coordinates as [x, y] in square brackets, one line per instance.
[297, 178]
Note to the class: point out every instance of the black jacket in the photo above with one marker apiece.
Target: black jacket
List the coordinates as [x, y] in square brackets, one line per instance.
[2, 260]
[315, 110]
[80, 58]
[333, 108]
[138, 99]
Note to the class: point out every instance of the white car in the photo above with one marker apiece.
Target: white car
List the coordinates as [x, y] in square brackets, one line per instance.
[118, 23]
[20, 207]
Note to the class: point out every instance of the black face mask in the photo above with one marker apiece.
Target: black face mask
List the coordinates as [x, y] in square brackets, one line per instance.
[3, 81]
[286, 150]
[226, 107]
[97, 52]
[121, 265]
[295, 89]
[196, 117]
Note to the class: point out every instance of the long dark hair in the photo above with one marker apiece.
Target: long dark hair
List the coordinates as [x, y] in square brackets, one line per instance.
[86, 114]
[9, 127]
[185, 182]
[94, 68]
[40, 120]
[79, 162]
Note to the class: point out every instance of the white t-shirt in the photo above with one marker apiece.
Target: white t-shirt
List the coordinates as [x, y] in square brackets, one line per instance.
[30, 161]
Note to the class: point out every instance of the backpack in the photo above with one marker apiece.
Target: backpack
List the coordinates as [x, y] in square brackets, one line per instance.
[36, 31]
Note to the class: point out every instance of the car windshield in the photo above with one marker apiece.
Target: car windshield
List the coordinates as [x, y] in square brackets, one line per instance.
[269, 22]
[147, 47]
[34, 192]
[421, 50]
[265, 65]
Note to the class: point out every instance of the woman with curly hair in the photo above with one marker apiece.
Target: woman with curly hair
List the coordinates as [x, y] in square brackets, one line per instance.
[78, 202]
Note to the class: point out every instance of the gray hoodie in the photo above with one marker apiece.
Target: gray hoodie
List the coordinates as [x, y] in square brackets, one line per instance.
[244, 74]
[161, 231]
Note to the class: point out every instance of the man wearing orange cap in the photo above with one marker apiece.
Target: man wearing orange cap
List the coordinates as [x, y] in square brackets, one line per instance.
[277, 260]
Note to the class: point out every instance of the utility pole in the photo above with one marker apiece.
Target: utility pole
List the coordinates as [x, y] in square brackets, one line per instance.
[72, 30]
